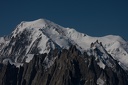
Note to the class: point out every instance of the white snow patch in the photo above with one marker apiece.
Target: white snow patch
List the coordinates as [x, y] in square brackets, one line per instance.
[49, 62]
[29, 58]
[101, 64]
[2, 40]
[43, 45]
[100, 81]
[5, 61]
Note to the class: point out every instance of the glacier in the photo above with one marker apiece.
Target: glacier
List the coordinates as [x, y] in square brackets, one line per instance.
[40, 36]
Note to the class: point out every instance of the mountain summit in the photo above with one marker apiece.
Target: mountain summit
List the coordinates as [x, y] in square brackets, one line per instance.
[41, 36]
[51, 44]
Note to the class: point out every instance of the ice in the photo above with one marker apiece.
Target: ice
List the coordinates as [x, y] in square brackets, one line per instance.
[101, 64]
[29, 57]
[64, 37]
[2, 40]
[54, 36]
[5, 61]
[49, 62]
[100, 81]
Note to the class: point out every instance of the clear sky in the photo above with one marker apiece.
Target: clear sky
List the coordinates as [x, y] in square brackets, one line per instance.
[92, 17]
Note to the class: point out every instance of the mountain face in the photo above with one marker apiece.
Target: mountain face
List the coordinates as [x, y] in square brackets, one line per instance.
[70, 67]
[41, 52]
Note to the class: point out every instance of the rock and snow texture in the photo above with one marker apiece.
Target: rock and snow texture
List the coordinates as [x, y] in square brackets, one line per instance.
[41, 36]
[2, 41]
[100, 81]
[29, 57]
[102, 57]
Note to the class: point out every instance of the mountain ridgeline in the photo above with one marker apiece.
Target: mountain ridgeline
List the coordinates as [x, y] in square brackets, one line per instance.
[41, 52]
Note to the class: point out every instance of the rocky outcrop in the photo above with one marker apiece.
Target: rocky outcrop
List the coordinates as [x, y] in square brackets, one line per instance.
[68, 67]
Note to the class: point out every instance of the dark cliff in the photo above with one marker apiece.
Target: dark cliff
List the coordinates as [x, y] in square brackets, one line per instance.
[70, 67]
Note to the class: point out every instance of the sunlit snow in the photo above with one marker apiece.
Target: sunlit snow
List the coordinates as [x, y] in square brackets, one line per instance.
[52, 35]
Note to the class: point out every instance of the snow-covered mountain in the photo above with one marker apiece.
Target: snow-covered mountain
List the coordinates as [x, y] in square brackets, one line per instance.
[49, 54]
[41, 36]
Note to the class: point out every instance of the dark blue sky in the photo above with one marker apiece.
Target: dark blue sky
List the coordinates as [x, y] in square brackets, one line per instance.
[93, 17]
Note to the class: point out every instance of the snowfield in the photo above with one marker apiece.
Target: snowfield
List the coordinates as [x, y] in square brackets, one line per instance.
[50, 36]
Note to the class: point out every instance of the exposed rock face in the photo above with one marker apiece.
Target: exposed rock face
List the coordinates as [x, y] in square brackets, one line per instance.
[69, 67]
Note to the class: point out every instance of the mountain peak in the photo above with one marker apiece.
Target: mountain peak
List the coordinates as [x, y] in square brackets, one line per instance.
[34, 25]
[41, 36]
[41, 46]
[39, 23]
[35, 22]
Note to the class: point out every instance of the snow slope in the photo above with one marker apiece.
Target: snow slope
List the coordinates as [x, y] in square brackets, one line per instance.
[102, 57]
[43, 35]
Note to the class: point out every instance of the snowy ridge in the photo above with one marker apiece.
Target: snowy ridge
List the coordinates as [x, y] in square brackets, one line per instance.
[41, 36]
[102, 57]
[2, 41]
